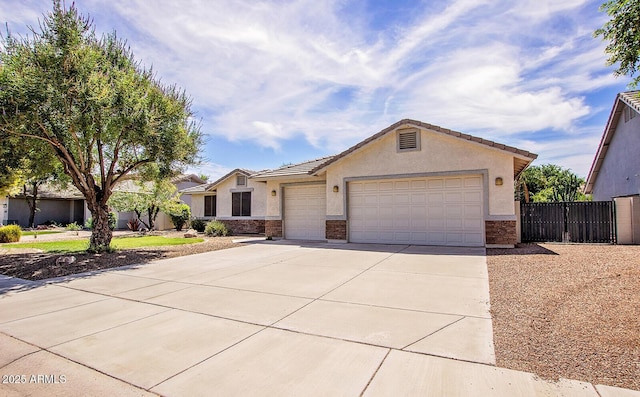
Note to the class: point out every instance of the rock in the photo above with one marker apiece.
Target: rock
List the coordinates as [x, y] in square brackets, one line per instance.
[191, 234]
[65, 260]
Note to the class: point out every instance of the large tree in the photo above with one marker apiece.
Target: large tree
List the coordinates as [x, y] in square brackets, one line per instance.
[622, 32]
[549, 183]
[101, 112]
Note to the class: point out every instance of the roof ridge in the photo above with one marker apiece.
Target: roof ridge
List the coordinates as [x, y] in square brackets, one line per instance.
[432, 127]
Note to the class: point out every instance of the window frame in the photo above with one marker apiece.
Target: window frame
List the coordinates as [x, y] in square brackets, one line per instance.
[213, 205]
[241, 204]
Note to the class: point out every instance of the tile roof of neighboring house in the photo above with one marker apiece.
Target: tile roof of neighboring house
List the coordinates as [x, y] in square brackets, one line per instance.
[629, 98]
[70, 192]
[304, 168]
[207, 187]
[519, 164]
[187, 178]
[50, 191]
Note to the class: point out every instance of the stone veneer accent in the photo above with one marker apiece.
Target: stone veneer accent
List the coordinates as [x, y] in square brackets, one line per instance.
[245, 226]
[273, 228]
[500, 232]
[336, 230]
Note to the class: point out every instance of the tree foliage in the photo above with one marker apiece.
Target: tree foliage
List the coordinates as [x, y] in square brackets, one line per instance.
[103, 115]
[150, 199]
[623, 34]
[549, 183]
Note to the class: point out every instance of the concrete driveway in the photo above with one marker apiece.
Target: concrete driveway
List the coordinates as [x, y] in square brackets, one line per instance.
[268, 318]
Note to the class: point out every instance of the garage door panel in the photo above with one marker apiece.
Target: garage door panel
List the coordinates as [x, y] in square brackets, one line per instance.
[474, 182]
[453, 183]
[434, 211]
[435, 183]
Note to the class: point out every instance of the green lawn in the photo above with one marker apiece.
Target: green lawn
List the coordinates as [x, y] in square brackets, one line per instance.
[117, 243]
[41, 232]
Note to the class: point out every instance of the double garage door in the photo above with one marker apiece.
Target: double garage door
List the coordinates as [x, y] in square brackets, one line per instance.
[429, 211]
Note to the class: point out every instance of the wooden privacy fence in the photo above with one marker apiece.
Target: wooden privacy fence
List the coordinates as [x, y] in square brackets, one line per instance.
[578, 222]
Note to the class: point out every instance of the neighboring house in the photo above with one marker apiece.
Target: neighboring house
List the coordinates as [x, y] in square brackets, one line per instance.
[163, 221]
[235, 199]
[64, 206]
[615, 171]
[411, 183]
[55, 204]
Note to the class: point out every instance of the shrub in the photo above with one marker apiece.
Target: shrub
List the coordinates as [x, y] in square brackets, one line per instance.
[73, 227]
[198, 225]
[113, 221]
[215, 229]
[134, 224]
[10, 234]
[180, 214]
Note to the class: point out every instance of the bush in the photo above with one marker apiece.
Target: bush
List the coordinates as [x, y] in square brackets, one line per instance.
[180, 214]
[198, 225]
[216, 229]
[10, 234]
[113, 221]
[73, 227]
[134, 224]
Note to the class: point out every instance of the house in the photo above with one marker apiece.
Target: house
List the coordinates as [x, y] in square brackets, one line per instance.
[615, 171]
[64, 206]
[235, 200]
[411, 183]
[163, 221]
[55, 204]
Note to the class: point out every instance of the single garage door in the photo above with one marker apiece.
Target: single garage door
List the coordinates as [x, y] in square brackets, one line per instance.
[429, 211]
[305, 209]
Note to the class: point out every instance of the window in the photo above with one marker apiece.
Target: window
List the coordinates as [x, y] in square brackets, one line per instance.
[408, 140]
[241, 180]
[241, 204]
[210, 205]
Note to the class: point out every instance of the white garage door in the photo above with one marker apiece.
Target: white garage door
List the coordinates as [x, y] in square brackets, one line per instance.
[429, 211]
[305, 209]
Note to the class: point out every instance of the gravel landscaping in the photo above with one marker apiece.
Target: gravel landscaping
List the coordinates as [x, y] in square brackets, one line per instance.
[570, 311]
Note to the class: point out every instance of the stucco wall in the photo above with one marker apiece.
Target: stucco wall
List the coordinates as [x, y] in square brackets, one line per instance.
[620, 171]
[439, 154]
[4, 210]
[224, 193]
[196, 204]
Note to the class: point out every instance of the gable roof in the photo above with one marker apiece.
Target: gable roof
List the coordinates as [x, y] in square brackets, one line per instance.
[523, 159]
[628, 98]
[208, 187]
[187, 178]
[300, 169]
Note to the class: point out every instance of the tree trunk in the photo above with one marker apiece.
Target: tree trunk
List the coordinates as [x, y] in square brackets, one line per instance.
[32, 203]
[100, 240]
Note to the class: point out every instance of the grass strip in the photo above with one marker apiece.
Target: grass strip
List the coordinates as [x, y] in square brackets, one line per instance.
[80, 245]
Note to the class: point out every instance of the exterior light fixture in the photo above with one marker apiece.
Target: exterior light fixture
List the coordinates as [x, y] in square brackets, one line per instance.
[273, 192]
[335, 189]
[499, 181]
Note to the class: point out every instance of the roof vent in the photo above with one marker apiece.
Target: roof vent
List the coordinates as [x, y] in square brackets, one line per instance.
[408, 140]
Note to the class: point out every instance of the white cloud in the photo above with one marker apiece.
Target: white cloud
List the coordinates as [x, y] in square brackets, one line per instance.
[212, 170]
[265, 72]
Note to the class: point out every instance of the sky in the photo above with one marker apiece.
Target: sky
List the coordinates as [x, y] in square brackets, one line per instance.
[284, 81]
